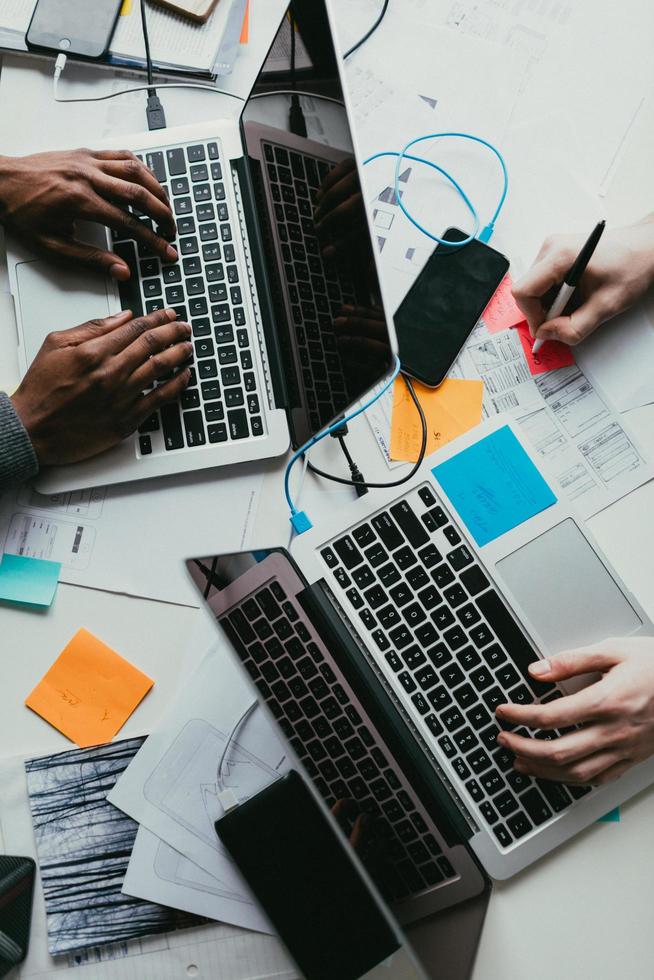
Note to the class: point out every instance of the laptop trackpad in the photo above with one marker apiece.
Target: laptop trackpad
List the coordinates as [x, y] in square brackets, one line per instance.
[566, 591]
[55, 298]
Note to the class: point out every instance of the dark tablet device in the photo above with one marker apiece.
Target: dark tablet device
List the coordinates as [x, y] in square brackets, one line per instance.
[300, 869]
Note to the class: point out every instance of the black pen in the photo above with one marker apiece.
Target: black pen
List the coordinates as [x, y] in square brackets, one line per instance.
[572, 279]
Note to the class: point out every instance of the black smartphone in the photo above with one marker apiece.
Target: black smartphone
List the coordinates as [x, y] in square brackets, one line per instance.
[438, 313]
[81, 27]
[297, 864]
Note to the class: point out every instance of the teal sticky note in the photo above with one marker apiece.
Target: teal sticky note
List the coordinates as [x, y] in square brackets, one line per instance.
[494, 485]
[613, 816]
[31, 581]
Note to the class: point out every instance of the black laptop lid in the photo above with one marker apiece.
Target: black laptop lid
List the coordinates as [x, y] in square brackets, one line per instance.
[331, 332]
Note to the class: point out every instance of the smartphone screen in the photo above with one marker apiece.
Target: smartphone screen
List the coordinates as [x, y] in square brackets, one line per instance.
[303, 877]
[436, 316]
[82, 27]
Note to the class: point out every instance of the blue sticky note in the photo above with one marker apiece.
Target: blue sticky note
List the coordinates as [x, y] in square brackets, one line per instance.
[31, 581]
[494, 485]
[613, 816]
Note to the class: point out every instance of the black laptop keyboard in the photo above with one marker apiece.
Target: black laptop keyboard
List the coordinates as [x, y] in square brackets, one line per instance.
[316, 288]
[205, 287]
[450, 645]
[346, 760]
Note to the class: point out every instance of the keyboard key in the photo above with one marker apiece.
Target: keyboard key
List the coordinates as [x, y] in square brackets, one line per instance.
[555, 794]
[535, 806]
[176, 161]
[478, 761]
[388, 574]
[195, 154]
[145, 445]
[387, 531]
[238, 424]
[207, 368]
[488, 813]
[427, 496]
[434, 725]
[194, 427]
[409, 523]
[475, 790]
[155, 161]
[348, 552]
[172, 427]
[459, 558]
[474, 580]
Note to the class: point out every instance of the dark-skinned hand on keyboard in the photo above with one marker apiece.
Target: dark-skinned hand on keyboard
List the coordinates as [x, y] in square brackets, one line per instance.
[42, 197]
[87, 388]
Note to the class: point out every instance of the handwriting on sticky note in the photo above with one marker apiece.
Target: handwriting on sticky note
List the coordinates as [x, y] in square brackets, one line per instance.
[89, 692]
[552, 355]
[494, 485]
[502, 312]
[30, 581]
[450, 410]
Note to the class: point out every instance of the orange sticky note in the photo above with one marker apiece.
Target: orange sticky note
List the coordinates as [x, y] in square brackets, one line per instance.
[245, 30]
[450, 410]
[502, 312]
[89, 692]
[552, 355]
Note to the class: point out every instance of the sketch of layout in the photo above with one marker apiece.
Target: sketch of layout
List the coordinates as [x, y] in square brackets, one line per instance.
[172, 789]
[184, 784]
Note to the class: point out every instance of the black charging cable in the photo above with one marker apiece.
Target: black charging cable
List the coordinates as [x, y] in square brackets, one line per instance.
[368, 34]
[154, 110]
[296, 121]
[366, 484]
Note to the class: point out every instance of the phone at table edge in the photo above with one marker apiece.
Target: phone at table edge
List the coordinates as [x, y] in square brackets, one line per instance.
[446, 270]
[195, 10]
[87, 27]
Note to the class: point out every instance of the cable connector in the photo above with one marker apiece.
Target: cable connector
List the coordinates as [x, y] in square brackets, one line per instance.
[486, 233]
[300, 522]
[359, 483]
[155, 113]
[296, 120]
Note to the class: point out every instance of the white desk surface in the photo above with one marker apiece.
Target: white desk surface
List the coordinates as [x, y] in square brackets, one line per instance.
[584, 911]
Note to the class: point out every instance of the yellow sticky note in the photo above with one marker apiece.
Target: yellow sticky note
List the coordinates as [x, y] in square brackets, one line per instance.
[89, 692]
[450, 411]
[126, 8]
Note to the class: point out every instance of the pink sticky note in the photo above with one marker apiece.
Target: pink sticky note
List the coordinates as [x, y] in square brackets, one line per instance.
[552, 355]
[502, 312]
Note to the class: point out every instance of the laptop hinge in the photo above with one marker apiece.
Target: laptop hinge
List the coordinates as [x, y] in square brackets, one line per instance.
[423, 770]
[259, 282]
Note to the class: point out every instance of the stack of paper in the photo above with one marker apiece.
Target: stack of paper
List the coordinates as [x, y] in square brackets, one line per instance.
[178, 44]
[172, 789]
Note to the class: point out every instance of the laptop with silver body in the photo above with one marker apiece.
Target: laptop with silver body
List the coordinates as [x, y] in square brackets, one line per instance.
[234, 239]
[540, 587]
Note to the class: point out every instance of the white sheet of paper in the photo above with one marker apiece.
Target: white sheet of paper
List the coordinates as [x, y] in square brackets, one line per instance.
[159, 873]
[98, 534]
[171, 786]
[220, 951]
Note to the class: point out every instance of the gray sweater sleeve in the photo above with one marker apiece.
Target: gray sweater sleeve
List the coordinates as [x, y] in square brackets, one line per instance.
[18, 460]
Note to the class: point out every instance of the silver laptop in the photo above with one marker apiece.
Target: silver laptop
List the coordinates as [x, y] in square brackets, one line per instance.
[251, 279]
[384, 639]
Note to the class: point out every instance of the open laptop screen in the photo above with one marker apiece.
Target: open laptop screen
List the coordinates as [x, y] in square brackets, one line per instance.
[331, 328]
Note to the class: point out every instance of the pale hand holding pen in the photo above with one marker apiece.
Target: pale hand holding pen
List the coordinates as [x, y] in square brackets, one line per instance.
[619, 274]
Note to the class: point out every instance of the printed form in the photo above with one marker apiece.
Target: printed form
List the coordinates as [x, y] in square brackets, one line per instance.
[585, 446]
